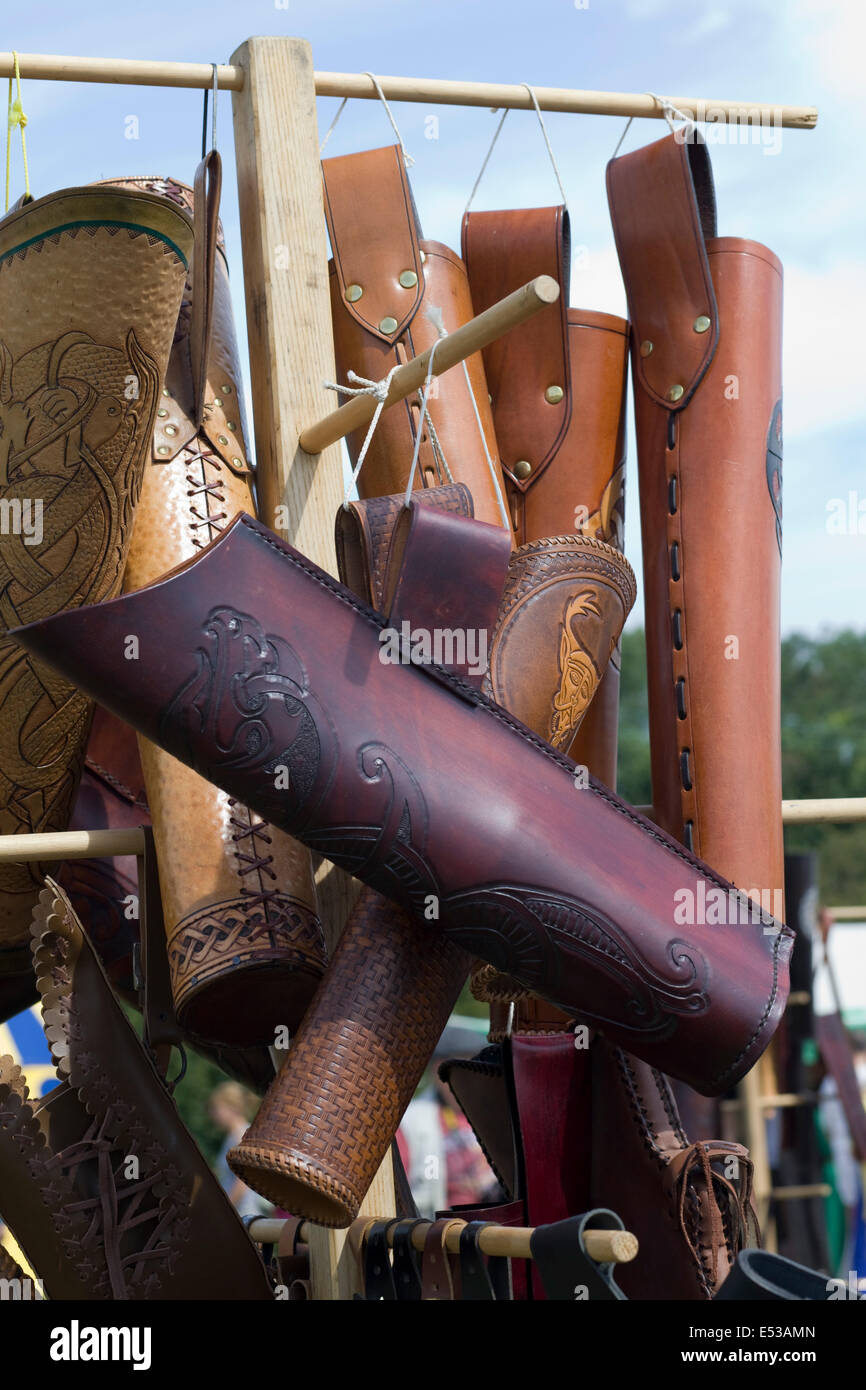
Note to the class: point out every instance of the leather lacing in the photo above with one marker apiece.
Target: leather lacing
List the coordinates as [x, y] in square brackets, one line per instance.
[113, 1215]
[253, 862]
[214, 521]
[744, 1226]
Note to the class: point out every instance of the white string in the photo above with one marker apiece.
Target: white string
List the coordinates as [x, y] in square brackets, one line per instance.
[427, 384]
[332, 126]
[407, 158]
[534, 100]
[622, 137]
[668, 110]
[379, 391]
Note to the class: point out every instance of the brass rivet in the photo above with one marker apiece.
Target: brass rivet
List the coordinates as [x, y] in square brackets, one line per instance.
[553, 395]
[522, 468]
[222, 439]
[238, 463]
[162, 448]
[171, 429]
[165, 391]
[226, 390]
[701, 323]
[217, 401]
[646, 348]
[388, 325]
[423, 255]
[408, 279]
[162, 412]
[230, 425]
[353, 293]
[676, 393]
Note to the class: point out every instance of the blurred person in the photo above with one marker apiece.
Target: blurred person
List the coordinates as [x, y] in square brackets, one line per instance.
[232, 1107]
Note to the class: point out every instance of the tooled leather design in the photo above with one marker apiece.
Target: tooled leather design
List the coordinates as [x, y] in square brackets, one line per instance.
[248, 708]
[222, 936]
[525, 933]
[71, 434]
[774, 468]
[380, 516]
[578, 673]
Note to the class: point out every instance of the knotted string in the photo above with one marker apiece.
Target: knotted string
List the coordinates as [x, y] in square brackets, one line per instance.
[669, 111]
[16, 117]
[407, 158]
[379, 391]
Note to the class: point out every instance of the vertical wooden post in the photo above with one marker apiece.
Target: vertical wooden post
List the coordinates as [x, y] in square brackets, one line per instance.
[291, 353]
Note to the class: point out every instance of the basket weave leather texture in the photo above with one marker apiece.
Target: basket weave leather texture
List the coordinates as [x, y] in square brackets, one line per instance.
[90, 286]
[106, 1192]
[245, 945]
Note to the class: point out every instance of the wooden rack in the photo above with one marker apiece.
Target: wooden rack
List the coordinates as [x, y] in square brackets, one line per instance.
[274, 89]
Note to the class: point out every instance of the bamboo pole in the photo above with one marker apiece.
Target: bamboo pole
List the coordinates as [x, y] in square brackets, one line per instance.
[434, 91]
[469, 338]
[605, 1247]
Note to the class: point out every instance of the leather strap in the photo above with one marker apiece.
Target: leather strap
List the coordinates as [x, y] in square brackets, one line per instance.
[292, 1260]
[161, 1030]
[378, 1277]
[373, 227]
[481, 1280]
[207, 186]
[405, 1268]
[502, 251]
[437, 1268]
[480, 1089]
[564, 1267]
[663, 209]
[363, 531]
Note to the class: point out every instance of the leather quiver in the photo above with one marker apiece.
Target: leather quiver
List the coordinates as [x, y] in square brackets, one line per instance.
[245, 943]
[412, 780]
[706, 316]
[94, 1224]
[329, 1116]
[383, 280]
[689, 1205]
[80, 377]
[558, 391]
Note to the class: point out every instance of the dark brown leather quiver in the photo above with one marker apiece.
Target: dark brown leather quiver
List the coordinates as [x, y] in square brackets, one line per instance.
[245, 945]
[706, 314]
[102, 1186]
[81, 369]
[688, 1204]
[383, 280]
[413, 781]
[557, 385]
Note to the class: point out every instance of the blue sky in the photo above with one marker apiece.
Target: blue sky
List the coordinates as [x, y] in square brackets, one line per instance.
[806, 201]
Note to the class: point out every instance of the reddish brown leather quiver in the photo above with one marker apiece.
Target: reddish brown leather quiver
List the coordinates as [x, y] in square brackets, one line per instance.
[413, 781]
[245, 945]
[102, 1186]
[383, 280]
[707, 314]
[90, 286]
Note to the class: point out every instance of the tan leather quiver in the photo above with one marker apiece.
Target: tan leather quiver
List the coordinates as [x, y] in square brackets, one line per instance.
[90, 284]
[245, 946]
[707, 318]
[384, 278]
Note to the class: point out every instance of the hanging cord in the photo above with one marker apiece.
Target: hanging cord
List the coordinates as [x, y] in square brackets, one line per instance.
[551, 155]
[407, 158]
[427, 384]
[213, 137]
[669, 111]
[379, 391]
[16, 117]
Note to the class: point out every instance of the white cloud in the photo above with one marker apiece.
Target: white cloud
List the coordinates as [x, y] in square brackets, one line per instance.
[823, 373]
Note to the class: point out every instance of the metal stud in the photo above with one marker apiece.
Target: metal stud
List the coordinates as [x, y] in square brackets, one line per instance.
[171, 429]
[522, 468]
[388, 325]
[226, 390]
[230, 425]
[222, 439]
[353, 293]
[408, 279]
[423, 255]
[646, 348]
[217, 401]
[553, 395]
[701, 323]
[162, 448]
[676, 393]
[165, 391]
[162, 412]
[238, 463]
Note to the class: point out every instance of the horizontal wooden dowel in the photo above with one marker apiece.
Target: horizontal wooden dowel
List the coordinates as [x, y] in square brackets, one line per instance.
[847, 914]
[786, 1100]
[819, 811]
[605, 1247]
[71, 844]
[437, 91]
[811, 1189]
[134, 72]
[469, 338]
[440, 92]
